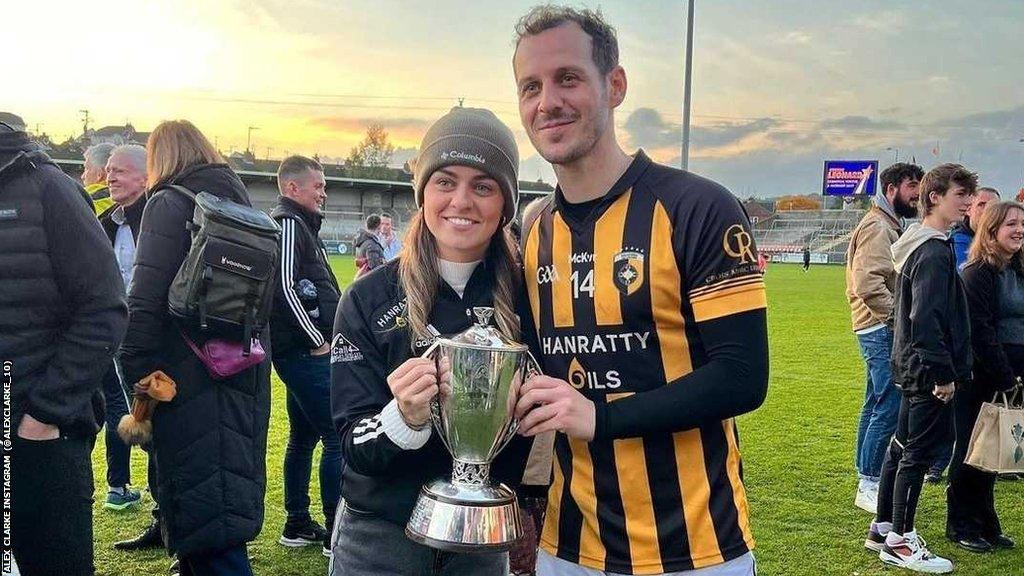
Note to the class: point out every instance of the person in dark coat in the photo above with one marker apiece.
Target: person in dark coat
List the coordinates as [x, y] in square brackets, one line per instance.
[62, 316]
[209, 441]
[994, 282]
[305, 301]
[931, 357]
[369, 251]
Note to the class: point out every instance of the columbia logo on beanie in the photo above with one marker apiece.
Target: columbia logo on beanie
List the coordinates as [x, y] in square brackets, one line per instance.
[471, 137]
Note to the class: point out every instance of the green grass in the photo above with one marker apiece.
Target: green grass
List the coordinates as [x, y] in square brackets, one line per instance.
[797, 448]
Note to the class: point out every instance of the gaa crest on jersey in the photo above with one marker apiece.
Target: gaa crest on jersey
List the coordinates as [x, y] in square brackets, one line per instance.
[628, 271]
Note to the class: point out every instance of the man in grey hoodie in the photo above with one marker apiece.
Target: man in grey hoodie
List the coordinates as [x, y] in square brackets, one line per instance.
[931, 355]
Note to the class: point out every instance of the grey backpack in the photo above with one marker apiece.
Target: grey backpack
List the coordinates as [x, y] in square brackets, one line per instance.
[225, 286]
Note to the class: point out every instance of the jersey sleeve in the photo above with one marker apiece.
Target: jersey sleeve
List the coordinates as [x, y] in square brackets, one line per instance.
[718, 258]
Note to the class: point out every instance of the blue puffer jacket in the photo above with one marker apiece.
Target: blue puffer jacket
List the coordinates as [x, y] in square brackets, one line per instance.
[961, 235]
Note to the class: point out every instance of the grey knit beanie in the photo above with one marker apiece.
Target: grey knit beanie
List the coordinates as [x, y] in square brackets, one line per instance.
[471, 137]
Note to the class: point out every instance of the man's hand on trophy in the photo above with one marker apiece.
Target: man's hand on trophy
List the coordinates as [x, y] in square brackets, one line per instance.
[413, 385]
[547, 403]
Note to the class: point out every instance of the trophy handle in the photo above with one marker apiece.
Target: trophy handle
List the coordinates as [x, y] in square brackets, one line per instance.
[435, 403]
[532, 366]
[429, 352]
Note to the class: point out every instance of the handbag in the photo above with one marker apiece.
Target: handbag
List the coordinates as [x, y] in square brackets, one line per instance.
[225, 358]
[997, 440]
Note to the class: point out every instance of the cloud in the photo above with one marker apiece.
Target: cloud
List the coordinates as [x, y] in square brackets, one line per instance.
[647, 129]
[725, 134]
[355, 124]
[885, 22]
[796, 37]
[401, 131]
[860, 123]
[1008, 123]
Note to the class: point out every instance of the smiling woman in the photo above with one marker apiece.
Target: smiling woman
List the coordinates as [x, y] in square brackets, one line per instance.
[457, 255]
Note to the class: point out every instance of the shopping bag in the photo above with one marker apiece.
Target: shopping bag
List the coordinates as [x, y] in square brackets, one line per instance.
[997, 441]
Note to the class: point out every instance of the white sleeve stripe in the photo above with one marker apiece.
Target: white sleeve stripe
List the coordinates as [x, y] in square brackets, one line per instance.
[366, 437]
[367, 425]
[287, 282]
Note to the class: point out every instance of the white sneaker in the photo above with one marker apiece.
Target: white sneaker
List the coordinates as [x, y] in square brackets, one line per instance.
[910, 551]
[867, 498]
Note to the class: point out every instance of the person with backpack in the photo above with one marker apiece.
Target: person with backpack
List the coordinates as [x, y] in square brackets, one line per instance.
[210, 440]
[306, 297]
[369, 251]
[458, 255]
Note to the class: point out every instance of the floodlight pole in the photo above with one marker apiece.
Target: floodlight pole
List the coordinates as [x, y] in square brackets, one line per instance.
[685, 157]
[248, 139]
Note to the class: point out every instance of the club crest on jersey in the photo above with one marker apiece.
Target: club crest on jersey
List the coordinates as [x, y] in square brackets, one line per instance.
[628, 270]
[737, 243]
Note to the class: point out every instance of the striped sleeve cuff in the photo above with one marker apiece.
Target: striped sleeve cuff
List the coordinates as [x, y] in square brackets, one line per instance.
[399, 432]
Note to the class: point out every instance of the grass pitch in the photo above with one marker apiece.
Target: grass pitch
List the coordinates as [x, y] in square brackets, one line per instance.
[797, 453]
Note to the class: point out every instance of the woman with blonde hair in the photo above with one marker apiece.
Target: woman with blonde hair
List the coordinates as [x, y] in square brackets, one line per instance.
[457, 255]
[210, 440]
[994, 282]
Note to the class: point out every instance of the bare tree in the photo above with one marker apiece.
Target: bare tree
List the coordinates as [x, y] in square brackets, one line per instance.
[370, 158]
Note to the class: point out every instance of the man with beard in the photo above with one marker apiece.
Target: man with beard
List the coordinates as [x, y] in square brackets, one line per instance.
[870, 281]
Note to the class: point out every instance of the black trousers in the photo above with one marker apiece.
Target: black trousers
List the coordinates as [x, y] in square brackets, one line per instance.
[924, 424]
[970, 497]
[51, 506]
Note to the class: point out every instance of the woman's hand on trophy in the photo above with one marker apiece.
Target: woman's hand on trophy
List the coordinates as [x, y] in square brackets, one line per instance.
[547, 403]
[413, 385]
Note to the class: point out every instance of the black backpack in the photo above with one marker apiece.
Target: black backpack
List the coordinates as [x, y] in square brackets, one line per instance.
[225, 286]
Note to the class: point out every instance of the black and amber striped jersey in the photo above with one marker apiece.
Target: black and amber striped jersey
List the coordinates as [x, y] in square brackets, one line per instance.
[633, 301]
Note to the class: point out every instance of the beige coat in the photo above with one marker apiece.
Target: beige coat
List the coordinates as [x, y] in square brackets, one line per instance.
[870, 277]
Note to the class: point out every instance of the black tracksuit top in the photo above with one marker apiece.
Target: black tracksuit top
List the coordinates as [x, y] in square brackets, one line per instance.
[371, 339]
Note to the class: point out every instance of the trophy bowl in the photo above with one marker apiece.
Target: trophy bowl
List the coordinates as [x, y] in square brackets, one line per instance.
[479, 376]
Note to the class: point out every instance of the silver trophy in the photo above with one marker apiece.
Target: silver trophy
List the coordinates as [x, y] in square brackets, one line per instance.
[479, 375]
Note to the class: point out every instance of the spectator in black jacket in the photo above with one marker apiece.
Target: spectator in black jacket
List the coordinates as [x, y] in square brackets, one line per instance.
[62, 318]
[126, 181]
[210, 441]
[931, 356]
[458, 255]
[301, 324]
[994, 281]
[368, 249]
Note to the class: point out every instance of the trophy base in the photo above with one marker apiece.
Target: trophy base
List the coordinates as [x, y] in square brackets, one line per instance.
[465, 518]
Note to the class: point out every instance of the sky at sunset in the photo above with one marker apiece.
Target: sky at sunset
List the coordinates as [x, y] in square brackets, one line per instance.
[777, 86]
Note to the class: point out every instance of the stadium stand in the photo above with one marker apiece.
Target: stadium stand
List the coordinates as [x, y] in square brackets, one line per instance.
[823, 231]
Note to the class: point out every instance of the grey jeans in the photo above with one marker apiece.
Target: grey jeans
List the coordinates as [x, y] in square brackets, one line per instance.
[366, 545]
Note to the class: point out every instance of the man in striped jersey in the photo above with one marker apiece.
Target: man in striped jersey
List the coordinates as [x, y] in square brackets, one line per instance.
[300, 330]
[650, 310]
